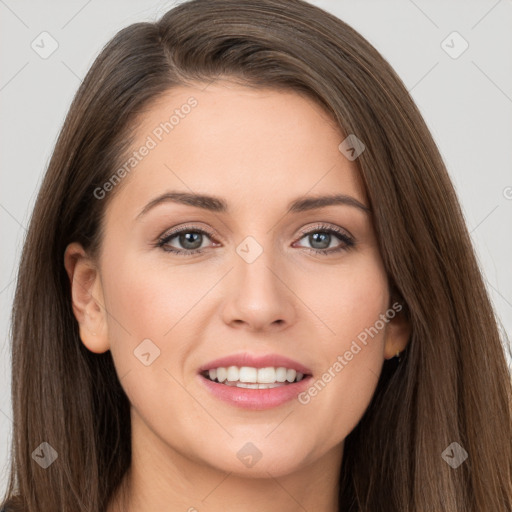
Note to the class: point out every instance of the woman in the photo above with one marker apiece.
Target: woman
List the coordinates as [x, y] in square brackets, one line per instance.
[327, 345]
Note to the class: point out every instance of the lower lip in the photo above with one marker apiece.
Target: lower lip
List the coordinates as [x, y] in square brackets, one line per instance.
[256, 399]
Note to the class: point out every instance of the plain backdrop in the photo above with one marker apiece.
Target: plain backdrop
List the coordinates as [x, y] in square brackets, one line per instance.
[461, 82]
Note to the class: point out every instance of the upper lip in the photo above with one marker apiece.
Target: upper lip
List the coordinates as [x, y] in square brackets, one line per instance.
[262, 361]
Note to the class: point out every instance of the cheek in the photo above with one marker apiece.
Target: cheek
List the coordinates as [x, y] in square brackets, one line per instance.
[153, 309]
[149, 334]
[142, 307]
[352, 349]
[347, 299]
[148, 301]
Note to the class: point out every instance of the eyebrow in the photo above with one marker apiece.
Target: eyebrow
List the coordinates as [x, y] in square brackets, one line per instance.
[216, 204]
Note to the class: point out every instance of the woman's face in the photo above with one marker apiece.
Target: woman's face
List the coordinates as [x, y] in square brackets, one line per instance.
[260, 280]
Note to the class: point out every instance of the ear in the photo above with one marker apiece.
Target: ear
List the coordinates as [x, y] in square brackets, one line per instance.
[398, 330]
[87, 298]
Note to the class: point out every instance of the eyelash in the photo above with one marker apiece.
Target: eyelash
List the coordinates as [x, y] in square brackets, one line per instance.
[348, 242]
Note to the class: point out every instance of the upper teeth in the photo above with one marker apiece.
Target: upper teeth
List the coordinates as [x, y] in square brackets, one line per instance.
[267, 375]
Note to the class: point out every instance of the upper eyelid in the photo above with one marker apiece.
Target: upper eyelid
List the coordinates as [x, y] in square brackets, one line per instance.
[171, 233]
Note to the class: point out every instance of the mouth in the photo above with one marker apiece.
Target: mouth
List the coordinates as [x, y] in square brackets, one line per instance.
[249, 377]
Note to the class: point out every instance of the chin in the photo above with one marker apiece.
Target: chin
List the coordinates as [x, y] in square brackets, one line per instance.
[259, 458]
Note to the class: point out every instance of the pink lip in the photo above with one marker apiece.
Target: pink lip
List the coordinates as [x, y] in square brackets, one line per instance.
[255, 399]
[265, 361]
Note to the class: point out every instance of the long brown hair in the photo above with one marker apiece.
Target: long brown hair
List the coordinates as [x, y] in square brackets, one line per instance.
[452, 385]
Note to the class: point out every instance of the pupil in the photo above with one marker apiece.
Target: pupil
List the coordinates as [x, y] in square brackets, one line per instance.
[314, 238]
[188, 238]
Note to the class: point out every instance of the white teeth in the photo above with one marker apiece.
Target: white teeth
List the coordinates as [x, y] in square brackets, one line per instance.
[221, 374]
[249, 377]
[248, 374]
[266, 375]
[281, 374]
[290, 375]
[232, 374]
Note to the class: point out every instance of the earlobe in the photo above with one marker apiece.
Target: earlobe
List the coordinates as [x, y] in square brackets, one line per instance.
[398, 332]
[87, 298]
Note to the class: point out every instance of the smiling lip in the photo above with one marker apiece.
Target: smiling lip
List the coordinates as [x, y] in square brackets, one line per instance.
[255, 399]
[265, 361]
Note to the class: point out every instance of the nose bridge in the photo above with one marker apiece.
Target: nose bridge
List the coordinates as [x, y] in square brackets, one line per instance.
[258, 296]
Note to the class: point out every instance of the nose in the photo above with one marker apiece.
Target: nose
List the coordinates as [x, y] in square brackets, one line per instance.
[258, 297]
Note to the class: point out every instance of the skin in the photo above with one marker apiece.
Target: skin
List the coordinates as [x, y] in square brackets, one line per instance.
[258, 150]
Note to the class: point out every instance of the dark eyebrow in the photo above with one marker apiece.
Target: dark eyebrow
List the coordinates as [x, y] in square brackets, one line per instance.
[311, 203]
[213, 204]
[216, 204]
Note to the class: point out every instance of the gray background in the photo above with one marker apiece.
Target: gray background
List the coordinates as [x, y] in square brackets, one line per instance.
[466, 102]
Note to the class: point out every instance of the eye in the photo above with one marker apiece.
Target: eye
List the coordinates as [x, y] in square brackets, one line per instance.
[190, 239]
[321, 237]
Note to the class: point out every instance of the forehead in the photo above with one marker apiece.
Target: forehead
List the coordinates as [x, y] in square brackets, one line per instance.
[264, 146]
